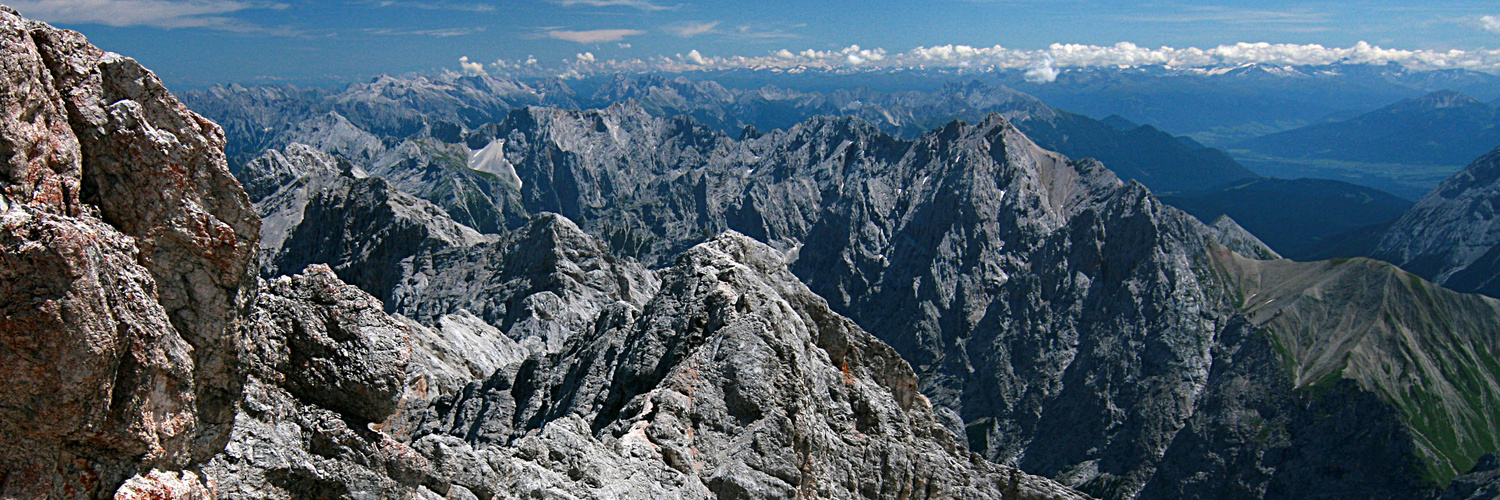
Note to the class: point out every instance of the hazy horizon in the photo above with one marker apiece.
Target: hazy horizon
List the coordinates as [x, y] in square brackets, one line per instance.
[194, 43]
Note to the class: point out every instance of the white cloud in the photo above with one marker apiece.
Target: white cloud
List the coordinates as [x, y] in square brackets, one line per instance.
[157, 13]
[440, 33]
[686, 30]
[471, 68]
[460, 7]
[1490, 23]
[1047, 64]
[634, 4]
[586, 57]
[593, 36]
[1042, 72]
[694, 57]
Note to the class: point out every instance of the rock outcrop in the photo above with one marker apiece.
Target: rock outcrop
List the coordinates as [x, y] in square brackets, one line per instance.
[734, 381]
[1481, 482]
[1452, 236]
[127, 248]
[325, 362]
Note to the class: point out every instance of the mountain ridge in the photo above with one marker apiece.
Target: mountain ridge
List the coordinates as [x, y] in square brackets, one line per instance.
[827, 193]
[1450, 235]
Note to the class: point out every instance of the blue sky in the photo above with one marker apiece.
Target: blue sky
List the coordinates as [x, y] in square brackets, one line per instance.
[198, 42]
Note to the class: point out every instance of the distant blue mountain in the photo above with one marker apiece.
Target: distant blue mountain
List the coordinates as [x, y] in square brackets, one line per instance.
[1302, 219]
[1441, 128]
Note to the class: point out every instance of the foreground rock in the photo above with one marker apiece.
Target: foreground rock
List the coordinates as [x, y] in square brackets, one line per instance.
[127, 248]
[324, 363]
[1481, 482]
[735, 381]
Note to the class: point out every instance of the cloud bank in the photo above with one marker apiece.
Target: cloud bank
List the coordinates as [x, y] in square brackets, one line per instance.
[1042, 72]
[1040, 65]
[1490, 23]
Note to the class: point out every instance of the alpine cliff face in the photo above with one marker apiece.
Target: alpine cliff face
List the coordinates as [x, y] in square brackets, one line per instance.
[734, 381]
[128, 249]
[1452, 235]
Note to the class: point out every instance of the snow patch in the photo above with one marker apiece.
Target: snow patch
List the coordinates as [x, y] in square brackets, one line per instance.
[491, 159]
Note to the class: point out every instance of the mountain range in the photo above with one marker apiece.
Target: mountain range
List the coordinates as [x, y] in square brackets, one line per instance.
[965, 310]
[147, 360]
[1177, 167]
[1302, 219]
[264, 117]
[1221, 106]
[420, 288]
[1406, 148]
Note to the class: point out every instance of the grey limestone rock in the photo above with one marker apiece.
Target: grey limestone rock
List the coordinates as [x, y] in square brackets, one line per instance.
[325, 363]
[734, 381]
[1452, 236]
[1227, 232]
[1058, 318]
[542, 281]
[1480, 483]
[364, 228]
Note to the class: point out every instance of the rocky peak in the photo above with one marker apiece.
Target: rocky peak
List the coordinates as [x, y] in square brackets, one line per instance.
[539, 284]
[128, 246]
[1228, 233]
[733, 382]
[1391, 333]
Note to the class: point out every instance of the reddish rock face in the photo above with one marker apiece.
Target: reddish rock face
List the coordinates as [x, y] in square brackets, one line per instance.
[40, 153]
[125, 252]
[157, 485]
